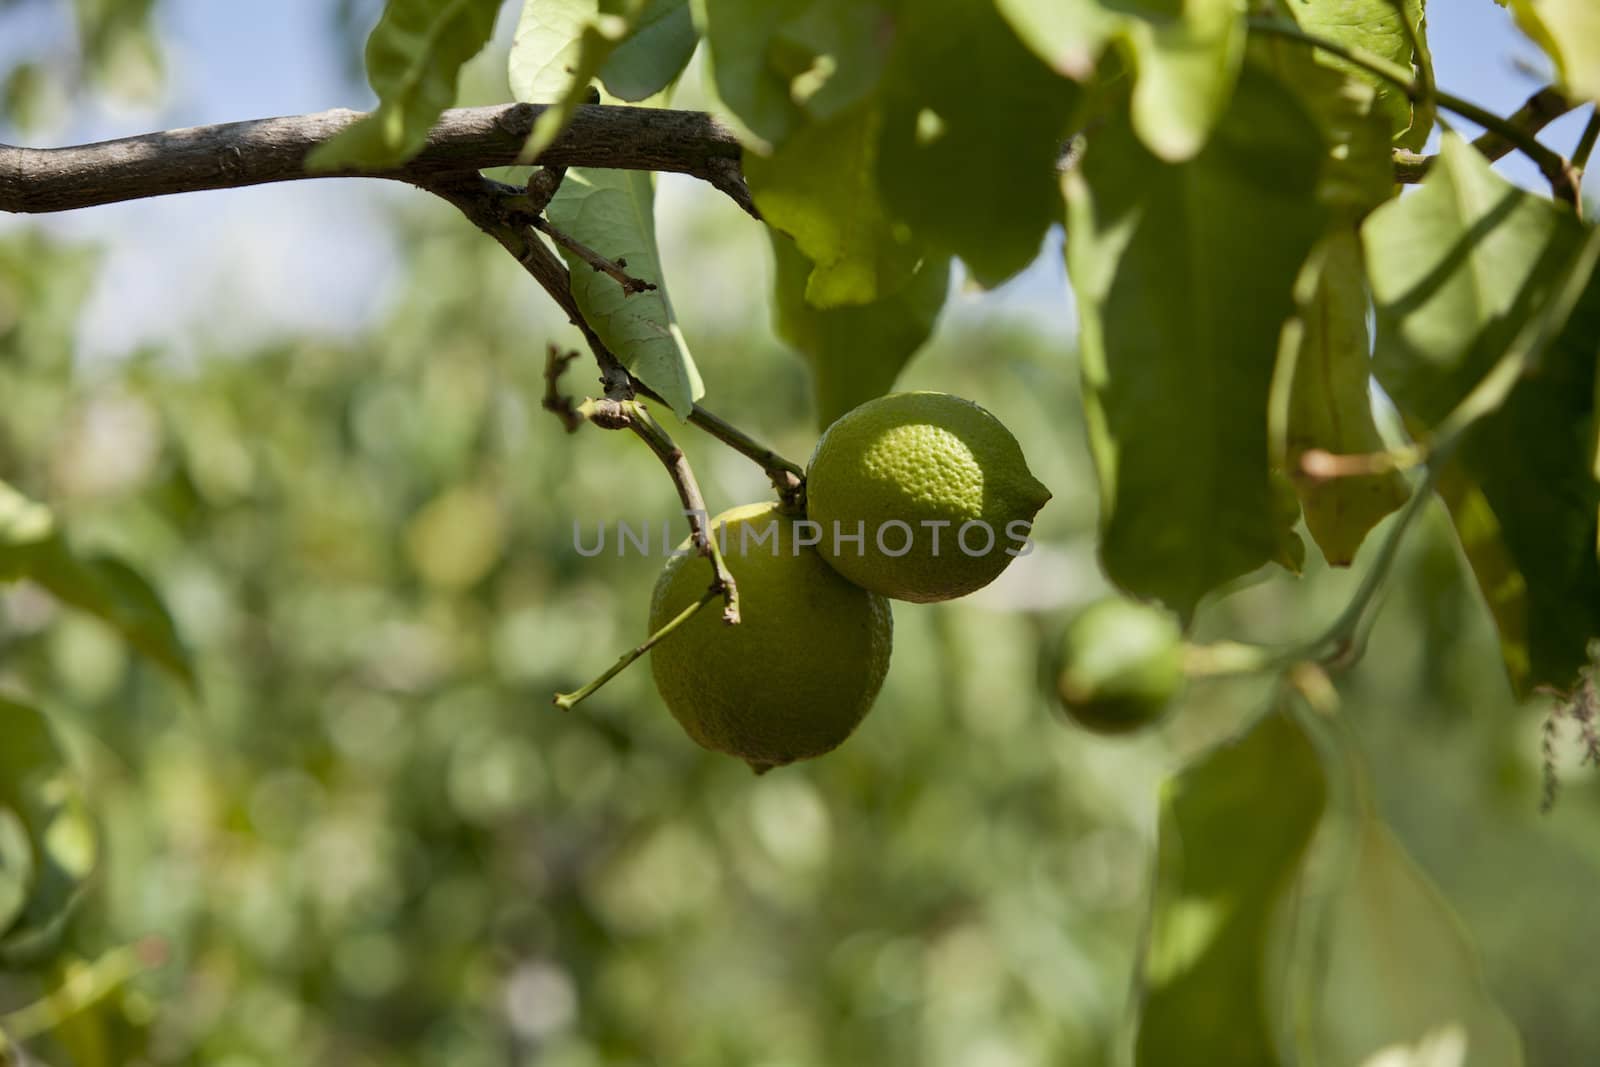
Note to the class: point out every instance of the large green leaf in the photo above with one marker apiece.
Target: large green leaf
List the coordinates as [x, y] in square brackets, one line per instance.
[32, 546]
[39, 797]
[413, 58]
[1185, 276]
[819, 188]
[1375, 27]
[1234, 828]
[1325, 356]
[1400, 974]
[1457, 270]
[1185, 55]
[1569, 32]
[855, 352]
[654, 53]
[613, 213]
[972, 172]
[779, 64]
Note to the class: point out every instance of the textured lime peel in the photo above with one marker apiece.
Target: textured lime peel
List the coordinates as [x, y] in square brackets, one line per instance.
[921, 496]
[798, 674]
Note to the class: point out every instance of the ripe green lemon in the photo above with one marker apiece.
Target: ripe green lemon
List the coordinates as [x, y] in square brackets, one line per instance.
[801, 669]
[935, 487]
[1121, 665]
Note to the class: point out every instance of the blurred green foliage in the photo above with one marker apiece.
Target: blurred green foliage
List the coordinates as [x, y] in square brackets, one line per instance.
[370, 839]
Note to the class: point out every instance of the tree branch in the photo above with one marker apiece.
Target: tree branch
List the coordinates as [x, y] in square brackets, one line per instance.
[1541, 109]
[261, 151]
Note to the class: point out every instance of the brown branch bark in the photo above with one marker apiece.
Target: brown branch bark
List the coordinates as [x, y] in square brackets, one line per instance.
[261, 151]
[1540, 110]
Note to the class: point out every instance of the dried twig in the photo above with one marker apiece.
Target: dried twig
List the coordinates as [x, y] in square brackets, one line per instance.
[614, 268]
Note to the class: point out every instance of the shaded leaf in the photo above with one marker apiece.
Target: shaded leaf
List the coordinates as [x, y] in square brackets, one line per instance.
[1569, 33]
[1185, 56]
[1325, 355]
[819, 189]
[31, 546]
[654, 53]
[1234, 828]
[613, 212]
[1375, 27]
[1401, 974]
[414, 56]
[780, 64]
[1457, 269]
[16, 867]
[972, 173]
[855, 352]
[1184, 275]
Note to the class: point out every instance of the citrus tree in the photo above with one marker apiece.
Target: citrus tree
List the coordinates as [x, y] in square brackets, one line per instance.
[1245, 259]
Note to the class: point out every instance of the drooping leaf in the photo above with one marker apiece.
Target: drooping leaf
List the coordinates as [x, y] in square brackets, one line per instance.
[1374, 27]
[1325, 355]
[32, 546]
[613, 213]
[972, 173]
[414, 56]
[1184, 275]
[654, 53]
[855, 352]
[1234, 828]
[39, 796]
[819, 188]
[1401, 974]
[1185, 56]
[1457, 270]
[16, 867]
[779, 64]
[559, 48]
[1569, 33]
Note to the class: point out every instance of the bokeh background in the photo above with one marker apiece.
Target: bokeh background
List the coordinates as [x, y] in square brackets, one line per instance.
[310, 412]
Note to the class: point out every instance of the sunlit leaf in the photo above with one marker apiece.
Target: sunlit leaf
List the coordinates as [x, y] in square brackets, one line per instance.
[972, 172]
[1374, 27]
[1325, 353]
[413, 58]
[1184, 275]
[1569, 32]
[559, 49]
[855, 352]
[819, 189]
[1234, 828]
[613, 213]
[1457, 269]
[1401, 975]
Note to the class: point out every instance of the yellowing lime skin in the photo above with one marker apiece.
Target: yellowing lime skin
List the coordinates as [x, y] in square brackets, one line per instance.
[1121, 665]
[921, 458]
[798, 673]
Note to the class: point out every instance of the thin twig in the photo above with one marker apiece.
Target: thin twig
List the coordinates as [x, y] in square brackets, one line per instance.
[613, 268]
[1591, 133]
[1555, 168]
[567, 701]
[556, 402]
[1540, 110]
[542, 186]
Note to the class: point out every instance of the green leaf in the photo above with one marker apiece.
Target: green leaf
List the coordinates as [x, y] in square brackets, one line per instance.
[559, 48]
[972, 172]
[613, 212]
[780, 64]
[414, 56]
[855, 352]
[1185, 56]
[31, 546]
[39, 796]
[653, 54]
[1184, 275]
[819, 189]
[1373, 26]
[1457, 269]
[1234, 828]
[1324, 355]
[16, 867]
[1569, 33]
[1401, 974]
